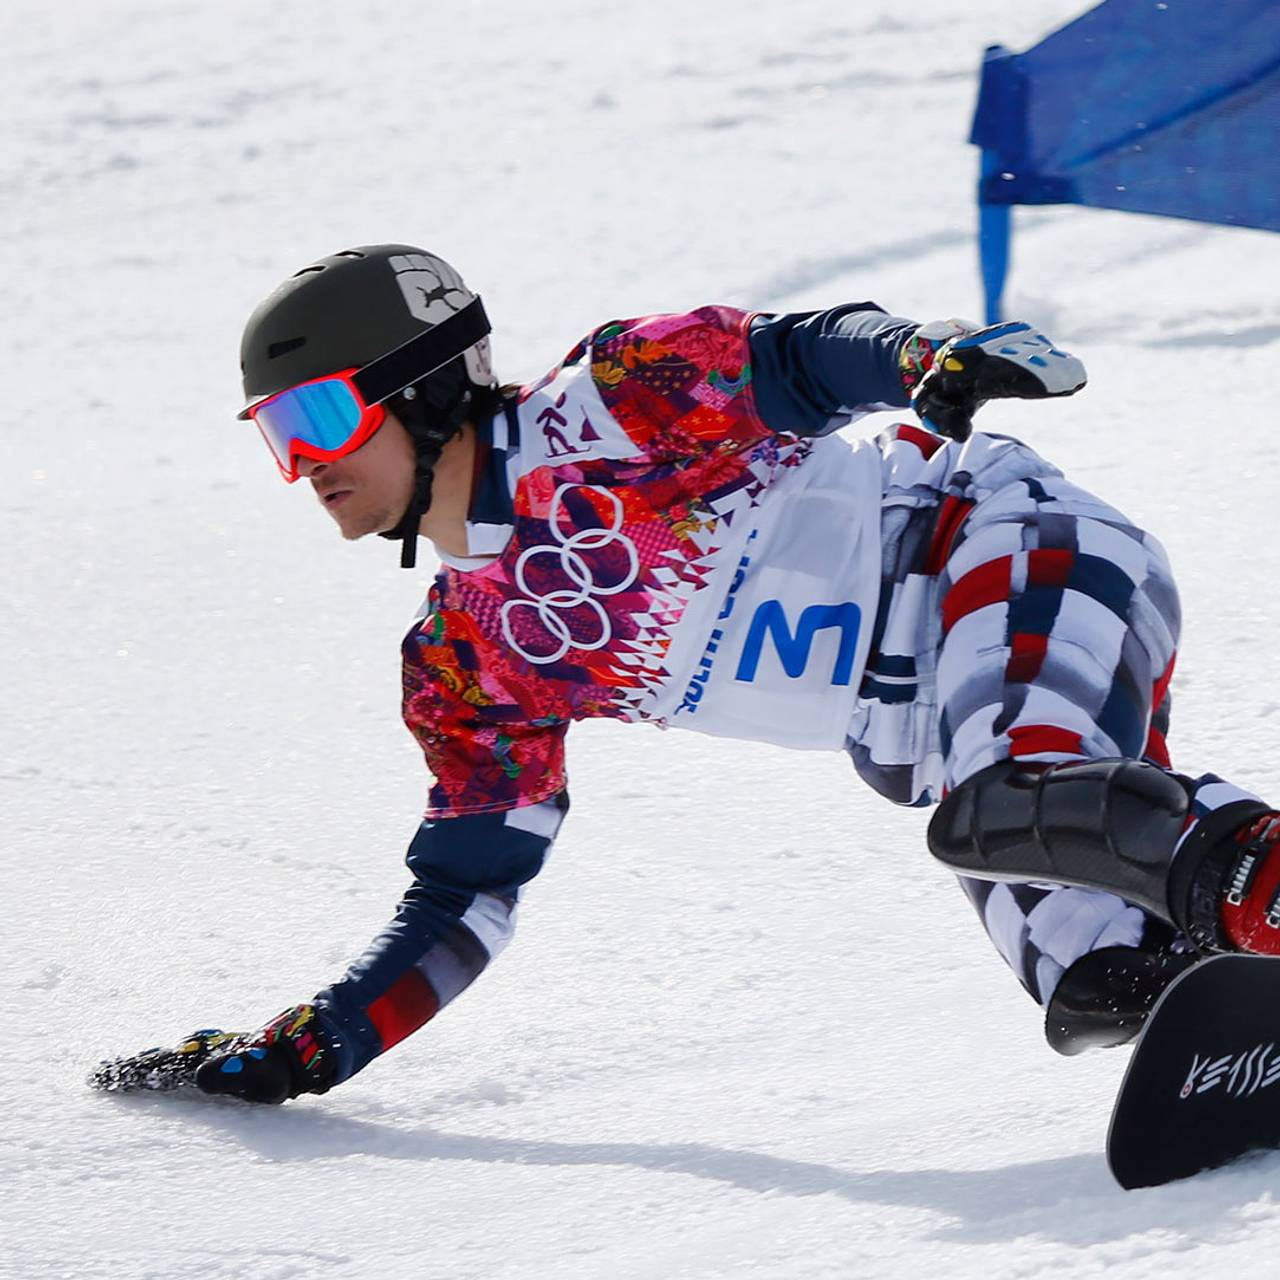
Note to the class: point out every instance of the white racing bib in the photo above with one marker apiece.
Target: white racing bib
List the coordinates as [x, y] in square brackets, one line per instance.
[782, 660]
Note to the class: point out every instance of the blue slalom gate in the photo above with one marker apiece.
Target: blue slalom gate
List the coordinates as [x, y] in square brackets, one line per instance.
[1154, 106]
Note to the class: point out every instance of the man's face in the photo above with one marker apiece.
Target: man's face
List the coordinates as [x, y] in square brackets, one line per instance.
[369, 490]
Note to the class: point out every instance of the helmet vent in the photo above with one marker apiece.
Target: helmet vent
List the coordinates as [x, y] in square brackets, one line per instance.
[319, 266]
[283, 348]
[349, 253]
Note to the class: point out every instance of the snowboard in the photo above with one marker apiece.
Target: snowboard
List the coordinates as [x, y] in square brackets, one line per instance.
[1203, 1085]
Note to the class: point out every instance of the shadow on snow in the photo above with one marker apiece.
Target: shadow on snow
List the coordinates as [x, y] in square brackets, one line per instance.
[1069, 1199]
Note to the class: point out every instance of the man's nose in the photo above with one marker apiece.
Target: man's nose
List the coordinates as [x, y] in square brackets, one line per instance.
[308, 467]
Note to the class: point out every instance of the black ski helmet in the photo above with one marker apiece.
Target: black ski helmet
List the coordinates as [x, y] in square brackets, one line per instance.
[374, 308]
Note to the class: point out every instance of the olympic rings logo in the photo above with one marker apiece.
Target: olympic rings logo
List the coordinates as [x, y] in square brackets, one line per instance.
[549, 606]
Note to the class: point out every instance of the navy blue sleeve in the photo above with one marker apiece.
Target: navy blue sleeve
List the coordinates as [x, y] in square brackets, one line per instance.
[814, 370]
[456, 917]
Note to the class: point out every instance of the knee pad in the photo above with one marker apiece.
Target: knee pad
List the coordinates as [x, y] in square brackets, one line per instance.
[1111, 824]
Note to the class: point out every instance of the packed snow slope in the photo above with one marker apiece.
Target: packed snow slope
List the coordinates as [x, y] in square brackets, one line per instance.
[747, 1027]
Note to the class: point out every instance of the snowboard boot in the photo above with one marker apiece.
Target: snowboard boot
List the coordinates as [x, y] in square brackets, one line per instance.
[1234, 898]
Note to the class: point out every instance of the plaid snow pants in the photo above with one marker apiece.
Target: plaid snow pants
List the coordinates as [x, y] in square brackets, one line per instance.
[1020, 618]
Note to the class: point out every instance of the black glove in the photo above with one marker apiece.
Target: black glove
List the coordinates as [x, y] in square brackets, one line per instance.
[289, 1056]
[952, 369]
[162, 1069]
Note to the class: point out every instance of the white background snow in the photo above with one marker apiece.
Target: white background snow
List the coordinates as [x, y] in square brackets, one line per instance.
[747, 1028]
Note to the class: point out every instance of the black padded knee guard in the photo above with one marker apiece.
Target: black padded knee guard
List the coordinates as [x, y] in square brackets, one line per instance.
[1112, 825]
[1097, 824]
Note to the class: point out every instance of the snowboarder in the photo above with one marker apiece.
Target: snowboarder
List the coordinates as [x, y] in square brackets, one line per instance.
[664, 529]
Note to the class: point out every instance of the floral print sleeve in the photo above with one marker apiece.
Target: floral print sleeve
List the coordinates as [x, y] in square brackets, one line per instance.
[680, 385]
[490, 740]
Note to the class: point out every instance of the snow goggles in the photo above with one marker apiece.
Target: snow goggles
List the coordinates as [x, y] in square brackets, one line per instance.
[324, 419]
[332, 416]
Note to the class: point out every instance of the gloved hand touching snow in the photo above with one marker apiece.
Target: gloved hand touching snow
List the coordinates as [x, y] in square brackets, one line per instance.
[289, 1056]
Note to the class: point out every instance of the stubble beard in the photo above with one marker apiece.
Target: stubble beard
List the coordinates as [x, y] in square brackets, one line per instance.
[354, 525]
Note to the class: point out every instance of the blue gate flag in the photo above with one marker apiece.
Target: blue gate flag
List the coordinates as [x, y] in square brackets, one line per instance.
[1154, 106]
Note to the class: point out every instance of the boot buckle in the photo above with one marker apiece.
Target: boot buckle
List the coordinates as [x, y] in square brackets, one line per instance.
[1272, 918]
[1243, 875]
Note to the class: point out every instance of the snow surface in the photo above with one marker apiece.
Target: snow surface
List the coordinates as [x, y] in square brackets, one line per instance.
[747, 1028]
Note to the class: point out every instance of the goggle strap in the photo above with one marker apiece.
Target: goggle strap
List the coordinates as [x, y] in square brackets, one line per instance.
[422, 355]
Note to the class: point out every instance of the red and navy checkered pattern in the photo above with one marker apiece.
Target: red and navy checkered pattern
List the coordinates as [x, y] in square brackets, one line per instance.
[457, 916]
[1021, 618]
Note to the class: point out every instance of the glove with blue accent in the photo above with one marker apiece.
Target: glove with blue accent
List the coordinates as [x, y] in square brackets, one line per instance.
[951, 368]
[289, 1056]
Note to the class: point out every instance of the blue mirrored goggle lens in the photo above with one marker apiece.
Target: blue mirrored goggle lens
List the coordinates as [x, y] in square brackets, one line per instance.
[322, 414]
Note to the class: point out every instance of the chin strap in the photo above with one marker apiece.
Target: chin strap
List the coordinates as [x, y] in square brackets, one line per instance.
[432, 412]
[419, 504]
[407, 528]
[409, 538]
[409, 551]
